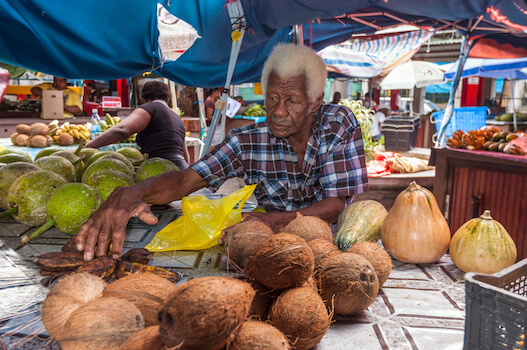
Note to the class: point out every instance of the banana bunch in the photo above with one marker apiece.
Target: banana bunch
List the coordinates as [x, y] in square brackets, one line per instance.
[110, 121]
[80, 132]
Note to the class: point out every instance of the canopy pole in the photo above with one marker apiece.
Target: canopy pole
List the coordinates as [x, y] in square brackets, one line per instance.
[238, 25]
[514, 118]
[370, 90]
[449, 110]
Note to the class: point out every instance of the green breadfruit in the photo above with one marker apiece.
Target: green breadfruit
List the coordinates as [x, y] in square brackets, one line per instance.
[15, 157]
[47, 152]
[133, 154]
[106, 164]
[80, 166]
[58, 165]
[154, 166]
[8, 174]
[88, 152]
[106, 181]
[71, 205]
[30, 193]
[110, 154]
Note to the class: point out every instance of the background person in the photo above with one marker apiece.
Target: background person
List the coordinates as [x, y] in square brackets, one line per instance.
[382, 112]
[72, 100]
[306, 157]
[160, 131]
[336, 98]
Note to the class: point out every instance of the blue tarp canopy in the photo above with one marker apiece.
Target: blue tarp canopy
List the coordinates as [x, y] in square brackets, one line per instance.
[111, 39]
[511, 68]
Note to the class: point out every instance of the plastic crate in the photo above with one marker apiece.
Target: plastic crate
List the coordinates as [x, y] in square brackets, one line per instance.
[464, 119]
[496, 309]
[400, 133]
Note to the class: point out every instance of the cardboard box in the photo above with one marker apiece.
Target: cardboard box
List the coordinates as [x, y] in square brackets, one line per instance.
[52, 104]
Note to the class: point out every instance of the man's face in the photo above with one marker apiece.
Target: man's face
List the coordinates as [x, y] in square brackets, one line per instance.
[289, 110]
[60, 83]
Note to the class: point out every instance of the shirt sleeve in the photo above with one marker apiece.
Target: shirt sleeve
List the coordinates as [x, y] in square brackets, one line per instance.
[344, 172]
[73, 99]
[221, 163]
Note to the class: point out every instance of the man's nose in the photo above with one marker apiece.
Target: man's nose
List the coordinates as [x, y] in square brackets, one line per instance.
[281, 109]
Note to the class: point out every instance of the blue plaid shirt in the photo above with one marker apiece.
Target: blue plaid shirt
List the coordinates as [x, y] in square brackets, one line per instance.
[333, 166]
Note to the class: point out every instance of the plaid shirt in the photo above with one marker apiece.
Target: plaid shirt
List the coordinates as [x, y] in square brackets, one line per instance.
[333, 166]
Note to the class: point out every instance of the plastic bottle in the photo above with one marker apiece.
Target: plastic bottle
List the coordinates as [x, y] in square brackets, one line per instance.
[95, 129]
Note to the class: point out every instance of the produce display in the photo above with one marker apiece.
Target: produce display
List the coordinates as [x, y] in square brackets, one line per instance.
[509, 117]
[365, 116]
[488, 138]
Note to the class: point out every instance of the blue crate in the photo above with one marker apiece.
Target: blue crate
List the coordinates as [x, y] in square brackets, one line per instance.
[464, 119]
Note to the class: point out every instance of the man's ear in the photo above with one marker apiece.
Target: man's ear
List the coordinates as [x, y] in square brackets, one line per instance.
[318, 102]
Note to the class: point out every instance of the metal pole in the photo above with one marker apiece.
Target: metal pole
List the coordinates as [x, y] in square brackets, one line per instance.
[449, 110]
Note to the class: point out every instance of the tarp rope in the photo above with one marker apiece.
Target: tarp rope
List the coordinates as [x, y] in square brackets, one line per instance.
[239, 26]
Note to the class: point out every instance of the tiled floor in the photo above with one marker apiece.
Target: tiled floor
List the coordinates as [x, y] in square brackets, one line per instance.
[419, 307]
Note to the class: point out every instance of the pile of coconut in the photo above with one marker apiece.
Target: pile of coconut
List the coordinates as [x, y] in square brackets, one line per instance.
[296, 280]
[34, 135]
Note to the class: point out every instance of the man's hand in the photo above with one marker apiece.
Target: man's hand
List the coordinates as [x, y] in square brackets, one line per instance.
[108, 224]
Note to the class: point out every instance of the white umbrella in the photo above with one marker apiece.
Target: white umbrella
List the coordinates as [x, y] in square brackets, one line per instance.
[413, 74]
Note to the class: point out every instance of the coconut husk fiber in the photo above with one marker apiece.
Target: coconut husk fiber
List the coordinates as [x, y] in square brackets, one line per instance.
[146, 339]
[281, 261]
[348, 283]
[309, 228]
[301, 315]
[104, 323]
[205, 313]
[262, 301]
[257, 335]
[147, 291]
[379, 258]
[241, 238]
[66, 296]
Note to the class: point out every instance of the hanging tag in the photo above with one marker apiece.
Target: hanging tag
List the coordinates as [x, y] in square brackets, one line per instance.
[235, 35]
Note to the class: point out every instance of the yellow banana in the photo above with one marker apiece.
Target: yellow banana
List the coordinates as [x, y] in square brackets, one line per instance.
[85, 135]
[75, 133]
[74, 127]
[83, 128]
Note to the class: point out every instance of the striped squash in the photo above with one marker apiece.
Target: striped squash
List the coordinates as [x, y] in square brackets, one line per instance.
[360, 222]
[482, 245]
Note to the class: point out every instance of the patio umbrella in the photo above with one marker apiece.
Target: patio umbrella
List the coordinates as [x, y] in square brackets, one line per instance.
[413, 74]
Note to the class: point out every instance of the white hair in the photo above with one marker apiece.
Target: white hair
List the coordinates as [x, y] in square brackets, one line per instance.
[291, 60]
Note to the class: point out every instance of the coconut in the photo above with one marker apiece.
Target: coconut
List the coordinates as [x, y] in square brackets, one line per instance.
[309, 228]
[49, 140]
[38, 129]
[262, 301]
[70, 293]
[348, 283]
[13, 138]
[301, 315]
[65, 139]
[259, 335]
[21, 140]
[22, 129]
[146, 339]
[281, 261]
[241, 238]
[322, 249]
[104, 323]
[379, 258]
[38, 141]
[205, 313]
[145, 290]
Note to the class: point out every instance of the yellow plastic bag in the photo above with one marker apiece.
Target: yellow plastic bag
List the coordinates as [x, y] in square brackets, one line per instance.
[202, 221]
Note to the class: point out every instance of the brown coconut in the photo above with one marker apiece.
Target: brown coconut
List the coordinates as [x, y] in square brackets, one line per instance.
[21, 140]
[322, 249]
[65, 139]
[38, 129]
[38, 141]
[309, 228]
[49, 140]
[22, 129]
[146, 339]
[262, 301]
[281, 261]
[205, 313]
[379, 258]
[241, 238]
[147, 291]
[301, 315]
[13, 138]
[104, 323]
[348, 283]
[67, 295]
[256, 335]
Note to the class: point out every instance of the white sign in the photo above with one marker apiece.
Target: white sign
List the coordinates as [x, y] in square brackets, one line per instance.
[232, 107]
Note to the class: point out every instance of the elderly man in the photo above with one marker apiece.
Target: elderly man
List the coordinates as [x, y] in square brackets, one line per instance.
[305, 157]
